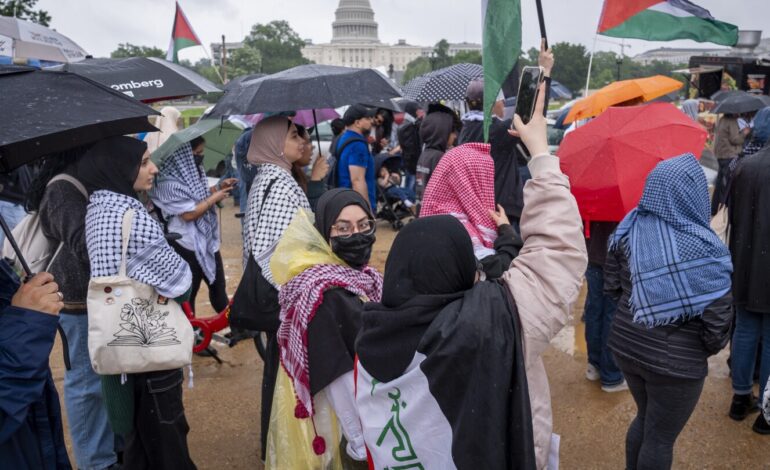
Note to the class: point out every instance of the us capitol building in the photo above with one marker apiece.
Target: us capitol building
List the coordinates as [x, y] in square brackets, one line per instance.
[355, 43]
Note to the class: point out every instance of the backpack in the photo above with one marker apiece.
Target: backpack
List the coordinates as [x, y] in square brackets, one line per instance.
[35, 247]
[334, 180]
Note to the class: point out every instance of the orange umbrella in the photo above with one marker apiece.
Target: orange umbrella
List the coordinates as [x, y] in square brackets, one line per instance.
[624, 93]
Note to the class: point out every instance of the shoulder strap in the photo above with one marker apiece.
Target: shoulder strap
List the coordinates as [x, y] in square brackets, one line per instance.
[72, 180]
[340, 149]
[128, 219]
[267, 191]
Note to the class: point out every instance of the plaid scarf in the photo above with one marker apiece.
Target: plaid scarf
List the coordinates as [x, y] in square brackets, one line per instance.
[181, 185]
[299, 299]
[463, 185]
[678, 264]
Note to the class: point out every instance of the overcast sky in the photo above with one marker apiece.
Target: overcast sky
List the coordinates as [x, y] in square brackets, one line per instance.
[100, 25]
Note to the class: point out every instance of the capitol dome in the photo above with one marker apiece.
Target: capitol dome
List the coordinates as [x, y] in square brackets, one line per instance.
[354, 23]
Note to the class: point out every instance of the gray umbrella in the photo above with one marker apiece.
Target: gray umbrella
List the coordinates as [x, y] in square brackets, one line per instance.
[306, 87]
[27, 40]
[739, 103]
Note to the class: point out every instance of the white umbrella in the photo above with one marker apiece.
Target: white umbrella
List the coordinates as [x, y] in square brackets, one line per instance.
[27, 40]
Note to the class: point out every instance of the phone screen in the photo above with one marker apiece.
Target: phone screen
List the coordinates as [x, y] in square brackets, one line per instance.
[528, 85]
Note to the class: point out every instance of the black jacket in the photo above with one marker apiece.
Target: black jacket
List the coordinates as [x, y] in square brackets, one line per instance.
[411, 145]
[750, 232]
[676, 350]
[507, 246]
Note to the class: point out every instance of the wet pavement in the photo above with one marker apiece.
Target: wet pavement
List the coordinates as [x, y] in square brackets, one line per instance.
[223, 407]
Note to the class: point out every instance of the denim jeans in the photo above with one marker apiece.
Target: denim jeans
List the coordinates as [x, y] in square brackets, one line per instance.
[409, 180]
[599, 312]
[749, 328]
[402, 194]
[93, 441]
[12, 213]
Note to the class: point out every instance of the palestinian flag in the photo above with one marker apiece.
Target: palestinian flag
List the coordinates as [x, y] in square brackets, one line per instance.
[441, 384]
[501, 41]
[656, 20]
[182, 36]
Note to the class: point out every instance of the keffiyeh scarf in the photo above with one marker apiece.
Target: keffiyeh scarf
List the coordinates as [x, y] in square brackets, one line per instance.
[150, 259]
[180, 187]
[299, 300]
[678, 264]
[267, 219]
[463, 185]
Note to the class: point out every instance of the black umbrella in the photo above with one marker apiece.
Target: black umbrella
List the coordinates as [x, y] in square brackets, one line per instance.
[306, 87]
[739, 103]
[449, 83]
[146, 79]
[46, 112]
[236, 82]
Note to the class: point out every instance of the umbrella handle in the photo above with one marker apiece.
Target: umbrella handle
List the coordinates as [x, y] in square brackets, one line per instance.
[317, 134]
[15, 246]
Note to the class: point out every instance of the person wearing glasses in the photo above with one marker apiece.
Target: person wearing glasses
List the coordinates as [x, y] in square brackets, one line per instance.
[321, 309]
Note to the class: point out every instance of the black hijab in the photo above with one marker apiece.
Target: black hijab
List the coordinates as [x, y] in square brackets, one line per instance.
[432, 256]
[509, 190]
[331, 203]
[111, 164]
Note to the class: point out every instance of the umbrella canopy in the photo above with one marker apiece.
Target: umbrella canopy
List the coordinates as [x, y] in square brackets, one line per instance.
[303, 117]
[220, 137]
[146, 79]
[306, 87]
[608, 159]
[45, 112]
[559, 91]
[449, 83]
[27, 40]
[635, 91]
[236, 82]
[721, 95]
[739, 103]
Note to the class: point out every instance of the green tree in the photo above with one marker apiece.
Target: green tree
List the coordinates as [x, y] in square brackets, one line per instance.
[440, 57]
[130, 50]
[24, 10]
[280, 47]
[467, 57]
[571, 65]
[244, 61]
[415, 68]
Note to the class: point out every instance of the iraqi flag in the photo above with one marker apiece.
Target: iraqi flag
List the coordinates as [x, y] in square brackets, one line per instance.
[182, 36]
[656, 20]
[441, 383]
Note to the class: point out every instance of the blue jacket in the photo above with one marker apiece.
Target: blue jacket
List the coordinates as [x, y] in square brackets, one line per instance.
[31, 434]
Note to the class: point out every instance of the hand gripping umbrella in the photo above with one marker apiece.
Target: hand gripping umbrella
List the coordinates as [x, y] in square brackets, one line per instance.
[306, 87]
[47, 112]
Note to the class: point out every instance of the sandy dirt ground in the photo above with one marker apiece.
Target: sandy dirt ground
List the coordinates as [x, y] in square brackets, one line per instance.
[223, 406]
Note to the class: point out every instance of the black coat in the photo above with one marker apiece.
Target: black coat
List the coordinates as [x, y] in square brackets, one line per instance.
[411, 145]
[750, 232]
[680, 349]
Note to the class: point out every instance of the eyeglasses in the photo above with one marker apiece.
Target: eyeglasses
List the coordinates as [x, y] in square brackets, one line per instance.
[346, 229]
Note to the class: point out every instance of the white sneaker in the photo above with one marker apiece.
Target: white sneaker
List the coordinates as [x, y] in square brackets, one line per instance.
[622, 386]
[592, 373]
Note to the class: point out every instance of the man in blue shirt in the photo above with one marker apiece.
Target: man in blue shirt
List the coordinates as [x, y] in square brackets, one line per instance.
[355, 164]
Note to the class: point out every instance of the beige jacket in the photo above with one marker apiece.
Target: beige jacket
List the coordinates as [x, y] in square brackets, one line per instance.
[728, 139]
[545, 279]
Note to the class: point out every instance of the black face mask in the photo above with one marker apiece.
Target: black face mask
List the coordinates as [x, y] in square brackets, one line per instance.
[355, 249]
[198, 159]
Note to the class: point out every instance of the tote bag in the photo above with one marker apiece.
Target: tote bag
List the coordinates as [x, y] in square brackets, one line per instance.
[131, 328]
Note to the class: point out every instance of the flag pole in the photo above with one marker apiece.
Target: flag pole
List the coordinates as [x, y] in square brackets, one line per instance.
[590, 63]
[216, 69]
[541, 20]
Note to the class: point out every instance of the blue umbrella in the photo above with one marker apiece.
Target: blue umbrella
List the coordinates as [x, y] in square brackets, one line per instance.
[559, 91]
[560, 120]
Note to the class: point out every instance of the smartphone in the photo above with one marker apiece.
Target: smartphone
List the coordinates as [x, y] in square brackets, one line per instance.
[529, 86]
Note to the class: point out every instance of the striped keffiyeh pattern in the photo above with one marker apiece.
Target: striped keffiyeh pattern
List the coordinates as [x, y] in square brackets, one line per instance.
[150, 259]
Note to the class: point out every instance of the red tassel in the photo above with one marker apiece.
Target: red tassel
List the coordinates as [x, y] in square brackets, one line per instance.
[319, 445]
[300, 412]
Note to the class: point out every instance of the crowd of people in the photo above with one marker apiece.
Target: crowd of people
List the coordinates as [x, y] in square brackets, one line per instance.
[401, 369]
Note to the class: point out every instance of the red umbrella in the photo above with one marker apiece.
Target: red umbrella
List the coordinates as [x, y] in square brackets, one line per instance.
[608, 159]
